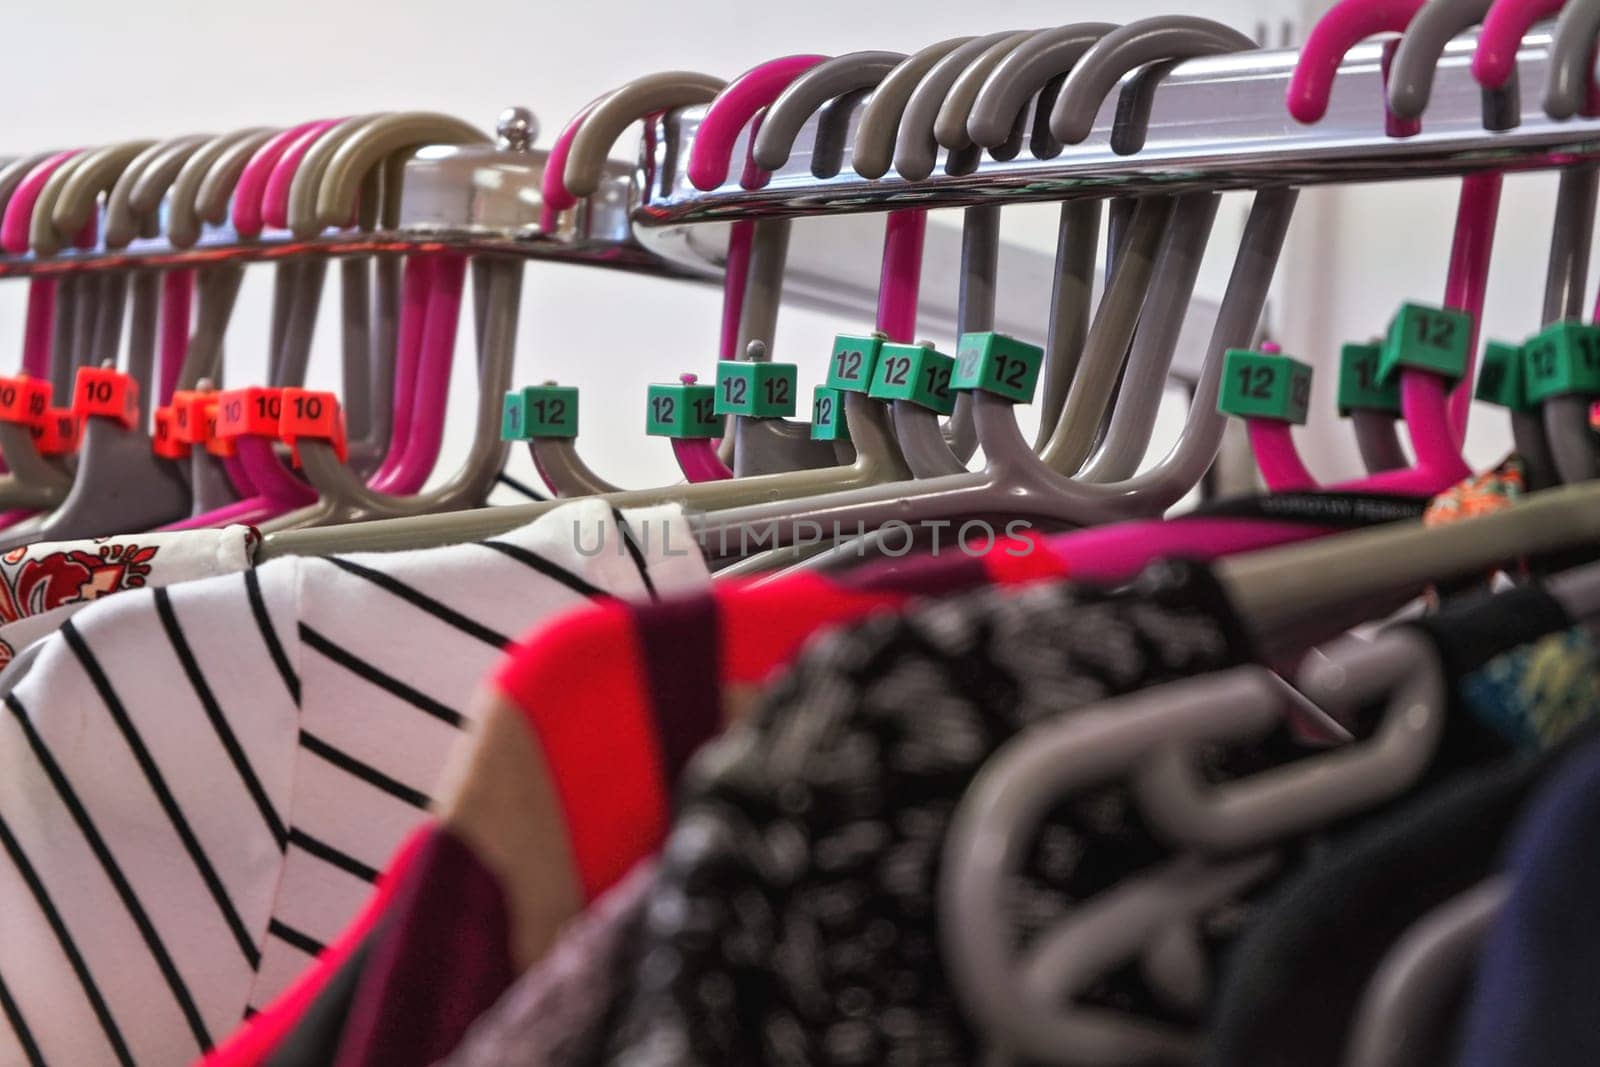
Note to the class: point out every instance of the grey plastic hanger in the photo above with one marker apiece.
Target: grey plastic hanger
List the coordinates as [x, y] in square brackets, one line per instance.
[1066, 337]
[1572, 59]
[1151, 740]
[992, 832]
[873, 152]
[1411, 993]
[1415, 62]
[1149, 41]
[1015, 481]
[557, 459]
[924, 443]
[1566, 443]
[836, 87]
[875, 461]
[915, 152]
[1037, 66]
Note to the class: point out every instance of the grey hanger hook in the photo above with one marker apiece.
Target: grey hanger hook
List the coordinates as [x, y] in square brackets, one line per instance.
[915, 149]
[983, 104]
[922, 441]
[1417, 58]
[233, 151]
[1572, 59]
[621, 109]
[811, 90]
[1028, 69]
[1156, 40]
[1155, 342]
[873, 151]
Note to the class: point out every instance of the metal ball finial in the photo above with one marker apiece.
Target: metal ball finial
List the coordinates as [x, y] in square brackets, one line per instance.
[756, 352]
[517, 129]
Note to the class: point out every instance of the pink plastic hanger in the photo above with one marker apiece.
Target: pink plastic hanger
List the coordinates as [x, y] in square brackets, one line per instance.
[1436, 441]
[1495, 58]
[41, 293]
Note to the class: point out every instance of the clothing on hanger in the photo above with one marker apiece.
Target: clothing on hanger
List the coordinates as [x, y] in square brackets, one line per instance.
[327, 740]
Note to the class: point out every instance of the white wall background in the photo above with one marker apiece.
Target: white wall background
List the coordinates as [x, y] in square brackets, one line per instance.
[93, 71]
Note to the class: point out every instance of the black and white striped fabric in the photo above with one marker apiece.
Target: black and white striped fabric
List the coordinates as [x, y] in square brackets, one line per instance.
[198, 784]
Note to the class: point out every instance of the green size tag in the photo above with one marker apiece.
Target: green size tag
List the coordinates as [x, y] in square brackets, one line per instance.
[682, 410]
[1502, 379]
[1562, 360]
[997, 363]
[1265, 385]
[827, 415]
[540, 411]
[918, 373]
[760, 390]
[1427, 338]
[853, 361]
[1359, 388]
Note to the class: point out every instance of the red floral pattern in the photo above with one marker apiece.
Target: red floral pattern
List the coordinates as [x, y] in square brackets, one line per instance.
[32, 585]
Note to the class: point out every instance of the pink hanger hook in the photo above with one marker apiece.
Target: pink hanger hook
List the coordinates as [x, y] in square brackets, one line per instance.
[1435, 420]
[697, 456]
[1345, 25]
[177, 298]
[437, 342]
[275, 194]
[1495, 58]
[711, 156]
[247, 193]
[553, 187]
[19, 209]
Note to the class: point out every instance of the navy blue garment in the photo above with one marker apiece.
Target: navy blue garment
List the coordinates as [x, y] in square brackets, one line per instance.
[1534, 999]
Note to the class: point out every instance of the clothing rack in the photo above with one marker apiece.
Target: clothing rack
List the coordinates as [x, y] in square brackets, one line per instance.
[487, 199]
[1216, 123]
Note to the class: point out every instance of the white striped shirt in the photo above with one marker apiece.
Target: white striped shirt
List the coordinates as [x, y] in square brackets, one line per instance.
[198, 784]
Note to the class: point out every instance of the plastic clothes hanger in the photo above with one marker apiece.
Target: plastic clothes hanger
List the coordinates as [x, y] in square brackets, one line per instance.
[381, 367]
[1564, 448]
[766, 444]
[38, 326]
[1411, 991]
[34, 481]
[1015, 480]
[1068, 316]
[1345, 24]
[556, 459]
[430, 287]
[1570, 88]
[1036, 66]
[1149, 739]
[274, 178]
[1155, 489]
[262, 486]
[1561, 445]
[923, 442]
[119, 483]
[344, 494]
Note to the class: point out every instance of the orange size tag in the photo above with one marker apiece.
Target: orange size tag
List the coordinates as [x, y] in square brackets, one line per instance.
[59, 432]
[105, 393]
[188, 416]
[24, 399]
[253, 411]
[310, 413]
[223, 447]
[164, 442]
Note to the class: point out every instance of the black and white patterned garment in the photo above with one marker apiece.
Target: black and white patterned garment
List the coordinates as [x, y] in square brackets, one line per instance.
[794, 918]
